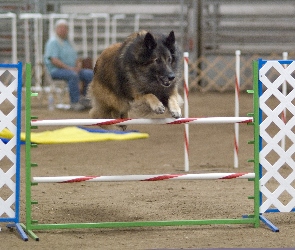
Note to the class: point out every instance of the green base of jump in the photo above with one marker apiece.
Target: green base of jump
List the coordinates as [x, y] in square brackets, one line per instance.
[30, 232]
[249, 220]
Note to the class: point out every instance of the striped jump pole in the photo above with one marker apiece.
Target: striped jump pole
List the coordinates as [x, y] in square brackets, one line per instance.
[155, 121]
[237, 109]
[161, 177]
[186, 113]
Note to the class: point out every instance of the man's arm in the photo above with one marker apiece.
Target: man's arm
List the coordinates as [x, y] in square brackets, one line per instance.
[59, 64]
[52, 54]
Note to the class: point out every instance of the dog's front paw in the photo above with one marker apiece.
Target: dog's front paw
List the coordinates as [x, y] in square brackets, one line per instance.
[160, 109]
[175, 114]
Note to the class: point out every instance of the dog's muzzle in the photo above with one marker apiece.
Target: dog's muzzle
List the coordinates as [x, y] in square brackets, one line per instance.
[166, 80]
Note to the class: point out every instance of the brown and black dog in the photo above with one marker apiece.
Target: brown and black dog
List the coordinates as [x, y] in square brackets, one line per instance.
[145, 68]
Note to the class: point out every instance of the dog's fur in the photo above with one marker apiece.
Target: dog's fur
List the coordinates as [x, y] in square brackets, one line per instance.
[145, 68]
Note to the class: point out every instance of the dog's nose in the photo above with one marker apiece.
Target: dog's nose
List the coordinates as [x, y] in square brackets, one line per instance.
[171, 76]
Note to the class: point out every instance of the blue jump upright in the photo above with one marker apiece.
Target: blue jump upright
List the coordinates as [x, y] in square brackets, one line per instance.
[276, 120]
[10, 119]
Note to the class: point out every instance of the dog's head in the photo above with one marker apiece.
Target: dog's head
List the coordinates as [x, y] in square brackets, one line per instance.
[157, 56]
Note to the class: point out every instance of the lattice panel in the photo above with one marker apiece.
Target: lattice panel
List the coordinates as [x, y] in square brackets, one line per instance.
[277, 160]
[217, 72]
[8, 113]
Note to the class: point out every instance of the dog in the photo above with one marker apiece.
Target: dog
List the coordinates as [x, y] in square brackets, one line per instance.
[144, 69]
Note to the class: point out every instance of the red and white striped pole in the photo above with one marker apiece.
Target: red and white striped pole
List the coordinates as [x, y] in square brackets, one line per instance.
[284, 92]
[186, 113]
[237, 100]
[159, 177]
[139, 121]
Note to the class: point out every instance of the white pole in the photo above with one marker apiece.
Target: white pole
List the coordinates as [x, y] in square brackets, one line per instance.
[106, 18]
[136, 22]
[107, 31]
[51, 26]
[186, 113]
[170, 121]
[71, 29]
[36, 17]
[284, 92]
[237, 100]
[137, 18]
[41, 44]
[94, 40]
[84, 38]
[114, 26]
[159, 177]
[36, 54]
[14, 38]
[27, 40]
[12, 16]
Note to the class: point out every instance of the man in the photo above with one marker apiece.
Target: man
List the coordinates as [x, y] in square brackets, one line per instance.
[62, 62]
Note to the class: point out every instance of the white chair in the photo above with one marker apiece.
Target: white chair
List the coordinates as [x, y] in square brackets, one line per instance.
[57, 88]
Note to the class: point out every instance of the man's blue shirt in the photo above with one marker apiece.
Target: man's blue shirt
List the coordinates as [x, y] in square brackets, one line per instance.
[61, 49]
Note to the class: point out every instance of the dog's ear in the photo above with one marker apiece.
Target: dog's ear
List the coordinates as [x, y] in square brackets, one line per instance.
[170, 40]
[149, 41]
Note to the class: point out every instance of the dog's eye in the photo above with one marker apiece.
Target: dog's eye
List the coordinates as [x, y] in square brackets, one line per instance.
[169, 59]
[158, 60]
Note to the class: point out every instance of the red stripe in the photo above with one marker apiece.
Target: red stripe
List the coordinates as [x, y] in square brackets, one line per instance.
[246, 121]
[183, 120]
[233, 176]
[237, 87]
[163, 177]
[185, 89]
[112, 122]
[84, 178]
[236, 145]
[284, 117]
[186, 142]
[185, 83]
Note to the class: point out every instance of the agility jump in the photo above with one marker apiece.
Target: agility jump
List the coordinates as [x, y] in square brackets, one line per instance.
[33, 122]
[264, 170]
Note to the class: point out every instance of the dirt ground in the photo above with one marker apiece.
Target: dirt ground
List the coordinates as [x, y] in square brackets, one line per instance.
[211, 150]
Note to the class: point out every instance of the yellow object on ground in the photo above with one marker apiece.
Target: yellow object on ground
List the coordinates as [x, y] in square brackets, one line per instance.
[74, 135]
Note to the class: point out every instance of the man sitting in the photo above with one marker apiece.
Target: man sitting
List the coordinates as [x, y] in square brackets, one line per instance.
[61, 60]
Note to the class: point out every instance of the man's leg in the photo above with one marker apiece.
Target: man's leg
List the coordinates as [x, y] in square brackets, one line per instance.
[72, 79]
[86, 76]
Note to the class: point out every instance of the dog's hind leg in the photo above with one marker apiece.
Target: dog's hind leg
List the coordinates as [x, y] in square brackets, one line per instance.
[101, 112]
[117, 115]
